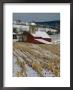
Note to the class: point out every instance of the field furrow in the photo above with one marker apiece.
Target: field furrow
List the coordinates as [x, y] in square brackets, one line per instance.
[36, 60]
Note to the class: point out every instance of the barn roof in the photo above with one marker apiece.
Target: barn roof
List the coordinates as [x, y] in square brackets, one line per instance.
[41, 34]
[43, 41]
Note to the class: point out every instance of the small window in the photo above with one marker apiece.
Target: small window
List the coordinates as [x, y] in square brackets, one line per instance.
[14, 37]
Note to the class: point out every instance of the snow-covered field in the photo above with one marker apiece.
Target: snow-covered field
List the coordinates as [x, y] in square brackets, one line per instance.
[55, 38]
[36, 60]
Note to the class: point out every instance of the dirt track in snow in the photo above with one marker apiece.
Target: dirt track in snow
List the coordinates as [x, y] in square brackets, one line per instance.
[36, 60]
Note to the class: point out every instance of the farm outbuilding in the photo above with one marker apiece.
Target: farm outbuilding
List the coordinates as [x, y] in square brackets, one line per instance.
[38, 37]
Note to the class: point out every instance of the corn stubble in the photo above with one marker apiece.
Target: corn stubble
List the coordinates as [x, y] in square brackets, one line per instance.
[38, 56]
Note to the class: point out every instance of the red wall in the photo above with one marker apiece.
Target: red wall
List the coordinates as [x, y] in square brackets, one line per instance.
[31, 39]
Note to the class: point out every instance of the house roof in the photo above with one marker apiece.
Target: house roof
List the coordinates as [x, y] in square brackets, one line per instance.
[40, 34]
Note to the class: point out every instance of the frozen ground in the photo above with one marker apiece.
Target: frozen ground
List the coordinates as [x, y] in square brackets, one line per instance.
[16, 68]
[30, 72]
[33, 59]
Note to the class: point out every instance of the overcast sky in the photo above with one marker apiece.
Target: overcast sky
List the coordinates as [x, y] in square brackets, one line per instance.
[37, 17]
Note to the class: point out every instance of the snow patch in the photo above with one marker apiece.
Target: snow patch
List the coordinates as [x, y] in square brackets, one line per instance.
[16, 68]
[30, 72]
[41, 34]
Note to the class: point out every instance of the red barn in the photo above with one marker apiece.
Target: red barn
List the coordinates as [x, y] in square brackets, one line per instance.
[37, 37]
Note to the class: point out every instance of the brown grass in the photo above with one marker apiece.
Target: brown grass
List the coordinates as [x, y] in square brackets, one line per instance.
[38, 56]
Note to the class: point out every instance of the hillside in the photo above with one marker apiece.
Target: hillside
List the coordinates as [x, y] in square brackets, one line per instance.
[51, 24]
[29, 62]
